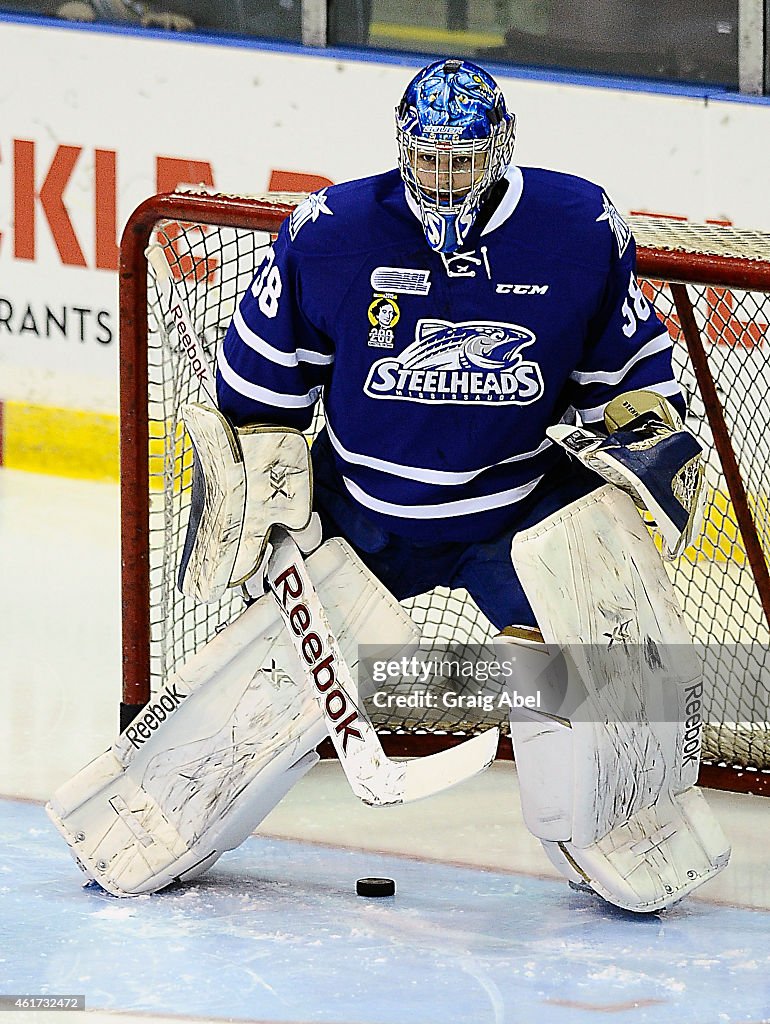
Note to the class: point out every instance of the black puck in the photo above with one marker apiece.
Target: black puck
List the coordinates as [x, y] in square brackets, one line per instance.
[375, 887]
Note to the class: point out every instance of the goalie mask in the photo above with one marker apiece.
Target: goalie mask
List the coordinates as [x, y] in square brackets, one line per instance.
[455, 140]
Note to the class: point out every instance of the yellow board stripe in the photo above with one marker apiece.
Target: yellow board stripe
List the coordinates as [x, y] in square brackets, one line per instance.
[720, 540]
[76, 443]
[160, 455]
[425, 34]
[63, 442]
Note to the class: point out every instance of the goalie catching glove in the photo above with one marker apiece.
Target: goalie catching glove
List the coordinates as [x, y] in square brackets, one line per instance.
[651, 456]
[245, 481]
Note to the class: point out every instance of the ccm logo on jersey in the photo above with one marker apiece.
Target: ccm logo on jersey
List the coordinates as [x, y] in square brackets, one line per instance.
[317, 656]
[521, 289]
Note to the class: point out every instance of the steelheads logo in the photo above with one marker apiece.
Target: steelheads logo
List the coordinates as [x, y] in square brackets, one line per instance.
[477, 361]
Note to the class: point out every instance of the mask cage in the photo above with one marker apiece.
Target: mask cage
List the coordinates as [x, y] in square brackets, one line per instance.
[447, 195]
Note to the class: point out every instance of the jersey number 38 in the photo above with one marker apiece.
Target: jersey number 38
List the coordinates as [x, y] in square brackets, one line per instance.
[267, 286]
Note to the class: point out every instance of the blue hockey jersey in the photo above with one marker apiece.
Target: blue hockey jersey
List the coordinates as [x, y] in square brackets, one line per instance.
[440, 373]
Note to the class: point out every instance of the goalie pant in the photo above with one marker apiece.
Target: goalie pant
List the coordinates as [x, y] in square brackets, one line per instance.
[407, 567]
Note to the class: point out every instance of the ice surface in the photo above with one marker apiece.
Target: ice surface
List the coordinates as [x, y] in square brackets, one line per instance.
[275, 932]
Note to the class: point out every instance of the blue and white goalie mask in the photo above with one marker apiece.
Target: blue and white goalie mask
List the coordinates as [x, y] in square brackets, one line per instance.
[455, 140]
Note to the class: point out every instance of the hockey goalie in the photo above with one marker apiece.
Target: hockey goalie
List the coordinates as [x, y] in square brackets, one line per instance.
[500, 412]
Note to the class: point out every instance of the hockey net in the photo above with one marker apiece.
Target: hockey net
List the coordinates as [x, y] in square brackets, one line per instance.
[711, 286]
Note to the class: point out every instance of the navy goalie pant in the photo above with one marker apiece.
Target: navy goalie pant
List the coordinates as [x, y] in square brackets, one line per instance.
[407, 567]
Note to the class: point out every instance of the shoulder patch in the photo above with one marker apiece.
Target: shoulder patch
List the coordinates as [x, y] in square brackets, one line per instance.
[401, 280]
[308, 210]
[618, 226]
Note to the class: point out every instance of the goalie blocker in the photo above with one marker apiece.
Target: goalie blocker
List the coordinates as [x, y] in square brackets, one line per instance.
[607, 776]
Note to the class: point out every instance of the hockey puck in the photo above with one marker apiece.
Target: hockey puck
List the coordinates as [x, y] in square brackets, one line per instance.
[375, 887]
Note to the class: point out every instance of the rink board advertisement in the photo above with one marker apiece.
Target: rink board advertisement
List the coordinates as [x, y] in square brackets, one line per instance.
[109, 118]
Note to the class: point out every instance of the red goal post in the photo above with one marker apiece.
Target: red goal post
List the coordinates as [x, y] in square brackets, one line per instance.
[710, 284]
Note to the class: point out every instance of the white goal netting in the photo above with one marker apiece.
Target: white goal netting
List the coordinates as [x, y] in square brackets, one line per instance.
[212, 265]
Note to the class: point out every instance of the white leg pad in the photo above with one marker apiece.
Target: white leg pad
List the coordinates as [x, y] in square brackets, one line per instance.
[646, 863]
[657, 857]
[609, 777]
[214, 752]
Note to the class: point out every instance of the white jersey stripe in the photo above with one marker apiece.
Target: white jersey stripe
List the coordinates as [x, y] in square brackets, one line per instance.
[264, 395]
[509, 201]
[658, 344]
[425, 476]
[667, 389]
[275, 355]
[446, 509]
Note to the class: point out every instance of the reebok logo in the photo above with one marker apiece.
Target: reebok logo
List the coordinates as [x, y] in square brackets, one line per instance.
[693, 724]
[154, 714]
[188, 347]
[317, 654]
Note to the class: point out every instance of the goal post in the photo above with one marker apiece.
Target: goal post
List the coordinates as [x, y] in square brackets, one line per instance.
[134, 333]
[711, 286]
